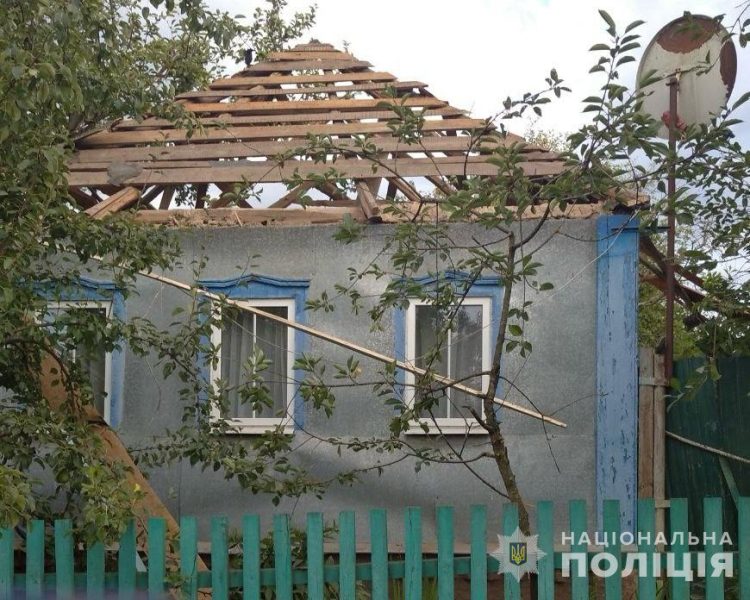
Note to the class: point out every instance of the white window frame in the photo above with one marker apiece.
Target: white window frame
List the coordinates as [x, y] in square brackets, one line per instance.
[446, 425]
[259, 425]
[94, 304]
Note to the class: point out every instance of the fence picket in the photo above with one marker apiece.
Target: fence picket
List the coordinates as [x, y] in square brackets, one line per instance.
[188, 556]
[379, 553]
[282, 557]
[347, 556]
[712, 525]
[283, 579]
[63, 558]
[219, 558]
[156, 557]
[647, 531]
[34, 559]
[251, 557]
[95, 571]
[546, 544]
[315, 574]
[678, 524]
[6, 562]
[445, 552]
[413, 553]
[743, 542]
[579, 583]
[126, 562]
[478, 552]
[511, 584]
[613, 583]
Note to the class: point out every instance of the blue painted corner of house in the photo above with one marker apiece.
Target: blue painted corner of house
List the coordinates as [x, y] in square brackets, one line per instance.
[617, 365]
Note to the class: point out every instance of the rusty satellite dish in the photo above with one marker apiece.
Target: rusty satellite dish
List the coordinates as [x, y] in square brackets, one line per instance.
[679, 50]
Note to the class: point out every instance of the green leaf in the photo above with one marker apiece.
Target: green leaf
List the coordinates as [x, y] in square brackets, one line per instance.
[741, 100]
[634, 25]
[608, 20]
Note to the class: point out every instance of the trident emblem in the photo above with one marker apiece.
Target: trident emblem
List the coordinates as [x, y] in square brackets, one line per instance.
[518, 553]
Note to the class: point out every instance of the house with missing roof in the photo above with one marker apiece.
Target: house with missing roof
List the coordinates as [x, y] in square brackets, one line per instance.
[275, 254]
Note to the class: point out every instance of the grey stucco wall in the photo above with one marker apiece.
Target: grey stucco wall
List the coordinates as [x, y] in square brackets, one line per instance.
[559, 376]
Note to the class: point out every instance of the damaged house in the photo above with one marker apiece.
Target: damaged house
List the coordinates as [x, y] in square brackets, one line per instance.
[276, 251]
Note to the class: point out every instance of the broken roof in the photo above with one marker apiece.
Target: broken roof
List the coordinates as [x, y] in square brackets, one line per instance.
[269, 110]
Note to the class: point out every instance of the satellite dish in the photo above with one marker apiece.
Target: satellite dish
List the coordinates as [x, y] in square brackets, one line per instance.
[680, 49]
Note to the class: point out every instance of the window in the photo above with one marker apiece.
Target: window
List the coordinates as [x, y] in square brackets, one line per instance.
[96, 362]
[465, 352]
[241, 336]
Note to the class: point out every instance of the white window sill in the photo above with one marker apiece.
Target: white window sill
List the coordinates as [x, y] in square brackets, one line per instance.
[450, 428]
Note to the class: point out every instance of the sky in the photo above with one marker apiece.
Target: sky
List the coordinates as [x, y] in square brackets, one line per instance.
[475, 53]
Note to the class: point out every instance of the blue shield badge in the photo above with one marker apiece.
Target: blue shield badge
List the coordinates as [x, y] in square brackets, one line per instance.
[518, 553]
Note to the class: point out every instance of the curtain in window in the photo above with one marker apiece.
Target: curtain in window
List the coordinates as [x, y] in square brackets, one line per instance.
[241, 333]
[460, 356]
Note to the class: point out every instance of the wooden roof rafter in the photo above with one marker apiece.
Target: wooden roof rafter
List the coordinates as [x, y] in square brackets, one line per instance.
[268, 110]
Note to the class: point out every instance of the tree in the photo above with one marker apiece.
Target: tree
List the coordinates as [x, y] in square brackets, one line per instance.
[67, 68]
[613, 155]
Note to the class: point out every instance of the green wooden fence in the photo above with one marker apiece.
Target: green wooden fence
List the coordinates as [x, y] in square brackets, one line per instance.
[23, 558]
[717, 414]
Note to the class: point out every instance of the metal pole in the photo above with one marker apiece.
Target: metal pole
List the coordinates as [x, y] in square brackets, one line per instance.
[673, 84]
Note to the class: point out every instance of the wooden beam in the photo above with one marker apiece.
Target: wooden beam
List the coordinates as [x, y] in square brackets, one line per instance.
[442, 185]
[147, 197]
[118, 138]
[308, 54]
[292, 196]
[366, 198]
[116, 202]
[304, 65]
[297, 106]
[244, 81]
[332, 191]
[200, 195]
[313, 89]
[82, 198]
[350, 169]
[266, 217]
[227, 120]
[166, 198]
[100, 158]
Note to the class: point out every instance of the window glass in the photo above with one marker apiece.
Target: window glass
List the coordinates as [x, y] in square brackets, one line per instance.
[460, 355]
[93, 362]
[243, 332]
[91, 359]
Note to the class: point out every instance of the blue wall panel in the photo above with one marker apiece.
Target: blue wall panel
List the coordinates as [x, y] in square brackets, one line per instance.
[617, 365]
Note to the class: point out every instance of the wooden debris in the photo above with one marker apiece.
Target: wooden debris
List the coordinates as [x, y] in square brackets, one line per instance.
[119, 201]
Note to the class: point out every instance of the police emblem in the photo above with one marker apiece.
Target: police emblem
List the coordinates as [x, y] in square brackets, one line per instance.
[517, 554]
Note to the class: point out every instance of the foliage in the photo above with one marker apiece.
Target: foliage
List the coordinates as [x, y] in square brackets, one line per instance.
[67, 68]
[270, 32]
[612, 156]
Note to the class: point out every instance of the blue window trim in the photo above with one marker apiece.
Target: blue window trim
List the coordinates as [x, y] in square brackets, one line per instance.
[617, 365]
[263, 287]
[86, 289]
[484, 287]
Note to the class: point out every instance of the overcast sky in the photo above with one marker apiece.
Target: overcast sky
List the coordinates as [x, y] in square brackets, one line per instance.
[475, 53]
